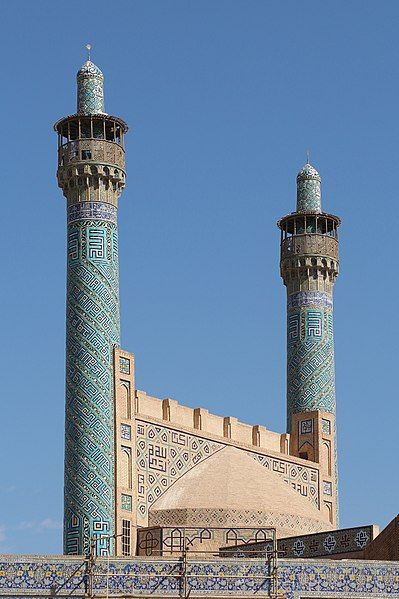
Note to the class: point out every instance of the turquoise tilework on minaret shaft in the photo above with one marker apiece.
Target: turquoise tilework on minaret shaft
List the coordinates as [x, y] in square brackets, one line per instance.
[92, 332]
[310, 354]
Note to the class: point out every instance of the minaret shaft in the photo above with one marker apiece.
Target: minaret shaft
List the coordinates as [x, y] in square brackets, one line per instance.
[309, 266]
[92, 332]
[91, 175]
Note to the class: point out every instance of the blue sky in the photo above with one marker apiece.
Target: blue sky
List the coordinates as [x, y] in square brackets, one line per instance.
[223, 98]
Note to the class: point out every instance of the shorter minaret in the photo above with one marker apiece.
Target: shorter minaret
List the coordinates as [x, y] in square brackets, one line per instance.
[309, 267]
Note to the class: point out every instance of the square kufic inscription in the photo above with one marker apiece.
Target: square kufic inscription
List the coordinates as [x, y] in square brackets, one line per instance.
[126, 431]
[326, 426]
[306, 427]
[126, 502]
[124, 365]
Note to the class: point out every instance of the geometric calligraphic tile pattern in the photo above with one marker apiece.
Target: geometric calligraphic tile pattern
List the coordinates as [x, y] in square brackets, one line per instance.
[124, 365]
[126, 431]
[326, 426]
[90, 89]
[303, 479]
[126, 502]
[164, 455]
[45, 576]
[310, 357]
[92, 331]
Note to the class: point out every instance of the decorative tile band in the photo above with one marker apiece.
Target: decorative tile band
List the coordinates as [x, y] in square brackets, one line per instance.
[92, 331]
[92, 211]
[324, 544]
[304, 299]
[41, 576]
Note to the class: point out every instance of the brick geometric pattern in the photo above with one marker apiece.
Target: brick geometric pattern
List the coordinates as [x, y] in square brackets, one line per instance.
[234, 517]
[164, 455]
[303, 479]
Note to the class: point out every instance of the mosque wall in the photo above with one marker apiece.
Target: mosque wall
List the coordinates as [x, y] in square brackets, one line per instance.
[386, 545]
[165, 453]
[159, 440]
[125, 452]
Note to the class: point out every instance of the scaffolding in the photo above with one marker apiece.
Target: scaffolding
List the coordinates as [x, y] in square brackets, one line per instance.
[260, 574]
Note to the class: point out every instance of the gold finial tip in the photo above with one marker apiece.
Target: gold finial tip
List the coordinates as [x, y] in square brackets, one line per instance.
[88, 48]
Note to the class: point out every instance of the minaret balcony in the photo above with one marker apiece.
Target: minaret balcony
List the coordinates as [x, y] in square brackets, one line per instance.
[309, 244]
[98, 151]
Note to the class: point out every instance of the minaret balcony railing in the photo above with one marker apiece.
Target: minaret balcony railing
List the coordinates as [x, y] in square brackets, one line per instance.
[311, 244]
[99, 127]
[317, 223]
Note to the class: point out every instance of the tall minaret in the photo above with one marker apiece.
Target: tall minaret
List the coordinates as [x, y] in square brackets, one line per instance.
[309, 267]
[91, 174]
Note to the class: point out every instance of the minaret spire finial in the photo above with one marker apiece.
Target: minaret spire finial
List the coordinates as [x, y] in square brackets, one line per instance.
[88, 48]
[308, 196]
[307, 156]
[90, 87]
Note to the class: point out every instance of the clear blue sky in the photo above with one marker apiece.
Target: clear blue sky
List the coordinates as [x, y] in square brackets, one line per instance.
[223, 98]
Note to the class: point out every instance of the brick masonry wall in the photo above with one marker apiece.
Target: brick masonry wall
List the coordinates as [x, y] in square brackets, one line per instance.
[386, 545]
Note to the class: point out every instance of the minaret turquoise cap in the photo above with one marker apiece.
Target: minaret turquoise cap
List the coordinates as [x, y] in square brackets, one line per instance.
[308, 195]
[90, 89]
